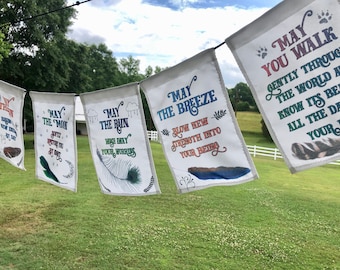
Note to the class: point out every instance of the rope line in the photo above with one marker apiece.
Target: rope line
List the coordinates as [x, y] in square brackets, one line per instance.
[46, 13]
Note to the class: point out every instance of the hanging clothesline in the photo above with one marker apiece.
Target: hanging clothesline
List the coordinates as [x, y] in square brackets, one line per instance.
[45, 13]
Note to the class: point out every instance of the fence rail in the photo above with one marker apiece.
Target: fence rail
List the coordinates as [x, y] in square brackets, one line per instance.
[254, 150]
[153, 135]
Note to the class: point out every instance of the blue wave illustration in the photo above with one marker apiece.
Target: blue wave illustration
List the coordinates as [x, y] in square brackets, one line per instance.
[220, 172]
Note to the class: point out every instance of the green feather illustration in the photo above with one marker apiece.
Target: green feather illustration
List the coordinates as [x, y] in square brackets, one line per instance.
[133, 175]
[120, 169]
[48, 172]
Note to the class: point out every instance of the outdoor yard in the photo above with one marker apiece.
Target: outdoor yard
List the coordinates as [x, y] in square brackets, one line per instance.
[280, 221]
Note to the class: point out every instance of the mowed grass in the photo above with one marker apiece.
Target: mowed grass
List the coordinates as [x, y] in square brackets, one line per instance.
[249, 122]
[280, 221]
[250, 125]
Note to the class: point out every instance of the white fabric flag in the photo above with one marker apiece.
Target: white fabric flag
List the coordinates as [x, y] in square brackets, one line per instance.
[291, 59]
[118, 140]
[200, 136]
[55, 138]
[11, 132]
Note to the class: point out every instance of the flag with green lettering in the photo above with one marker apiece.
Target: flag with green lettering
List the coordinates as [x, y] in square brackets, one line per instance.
[291, 59]
[199, 133]
[11, 130]
[118, 139]
[55, 138]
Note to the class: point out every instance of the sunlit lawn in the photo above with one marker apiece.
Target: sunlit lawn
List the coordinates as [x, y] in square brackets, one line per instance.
[280, 221]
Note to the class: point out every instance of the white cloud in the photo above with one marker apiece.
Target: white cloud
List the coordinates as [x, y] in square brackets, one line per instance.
[160, 36]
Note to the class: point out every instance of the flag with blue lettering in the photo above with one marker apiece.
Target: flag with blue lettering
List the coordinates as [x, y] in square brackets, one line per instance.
[55, 138]
[11, 130]
[290, 57]
[118, 140]
[199, 133]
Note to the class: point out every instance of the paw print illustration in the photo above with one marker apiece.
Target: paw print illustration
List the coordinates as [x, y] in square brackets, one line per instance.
[262, 52]
[325, 17]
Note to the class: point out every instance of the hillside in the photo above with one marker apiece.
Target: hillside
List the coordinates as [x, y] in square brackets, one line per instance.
[250, 125]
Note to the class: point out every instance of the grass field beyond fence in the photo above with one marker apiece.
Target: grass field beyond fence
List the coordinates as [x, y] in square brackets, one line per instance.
[280, 221]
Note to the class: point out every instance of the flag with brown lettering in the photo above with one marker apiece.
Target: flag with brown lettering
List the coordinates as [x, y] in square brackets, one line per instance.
[291, 59]
[11, 130]
[118, 140]
[199, 133]
[55, 138]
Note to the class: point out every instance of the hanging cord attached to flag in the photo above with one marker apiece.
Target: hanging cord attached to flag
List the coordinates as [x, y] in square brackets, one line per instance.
[46, 13]
[219, 45]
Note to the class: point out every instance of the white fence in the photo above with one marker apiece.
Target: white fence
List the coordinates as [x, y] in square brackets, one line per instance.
[272, 152]
[153, 135]
[254, 150]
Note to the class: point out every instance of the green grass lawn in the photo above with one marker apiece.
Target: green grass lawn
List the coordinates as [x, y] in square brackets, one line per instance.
[249, 122]
[280, 221]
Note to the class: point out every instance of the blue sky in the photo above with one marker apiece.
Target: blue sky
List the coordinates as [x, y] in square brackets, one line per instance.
[164, 33]
[179, 4]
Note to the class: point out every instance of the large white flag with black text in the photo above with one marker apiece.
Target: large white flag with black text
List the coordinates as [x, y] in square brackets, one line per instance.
[200, 136]
[11, 131]
[118, 140]
[291, 59]
[55, 138]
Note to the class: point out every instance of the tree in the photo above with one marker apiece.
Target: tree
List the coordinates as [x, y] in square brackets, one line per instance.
[159, 69]
[80, 77]
[105, 70]
[28, 30]
[5, 47]
[147, 114]
[129, 68]
[43, 59]
[242, 98]
[148, 71]
[34, 36]
[36, 60]
[49, 69]
[265, 130]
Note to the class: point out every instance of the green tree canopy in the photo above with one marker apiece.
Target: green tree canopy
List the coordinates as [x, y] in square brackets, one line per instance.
[35, 42]
[5, 47]
[242, 98]
[28, 31]
[41, 58]
[105, 69]
[129, 68]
